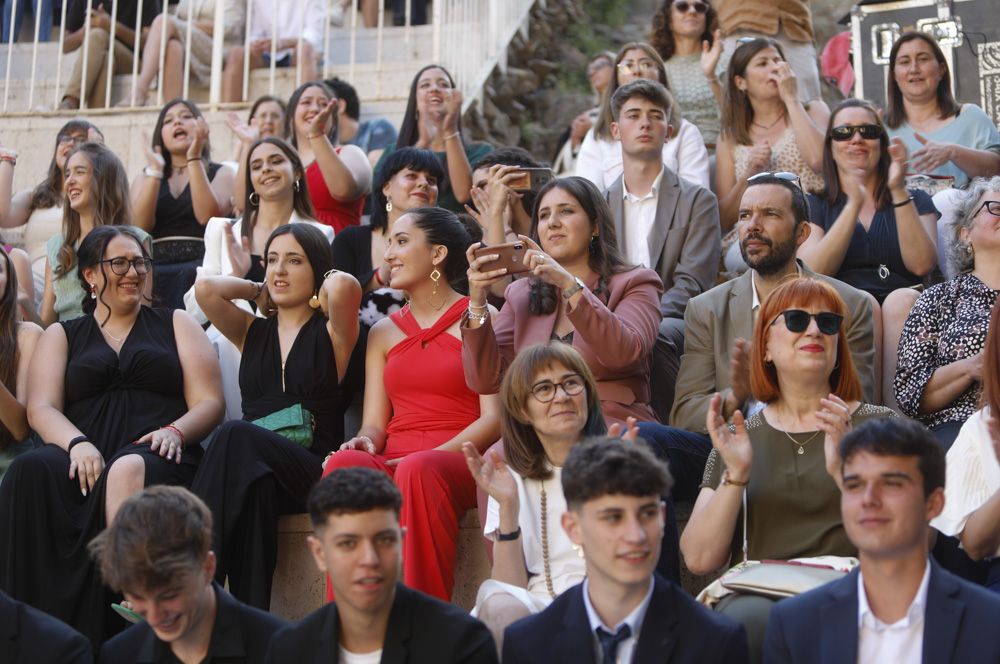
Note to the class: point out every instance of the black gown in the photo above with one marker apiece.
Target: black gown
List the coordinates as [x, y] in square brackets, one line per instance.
[250, 476]
[45, 521]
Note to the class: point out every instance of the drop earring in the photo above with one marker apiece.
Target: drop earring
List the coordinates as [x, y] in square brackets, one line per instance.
[93, 291]
[314, 301]
[388, 205]
[435, 301]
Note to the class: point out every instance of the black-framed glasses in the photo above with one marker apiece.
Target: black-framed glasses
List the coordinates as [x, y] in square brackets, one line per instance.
[869, 132]
[683, 7]
[993, 207]
[75, 139]
[545, 391]
[797, 320]
[121, 265]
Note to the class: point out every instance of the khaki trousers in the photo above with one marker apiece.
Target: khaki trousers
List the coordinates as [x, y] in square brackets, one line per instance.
[95, 79]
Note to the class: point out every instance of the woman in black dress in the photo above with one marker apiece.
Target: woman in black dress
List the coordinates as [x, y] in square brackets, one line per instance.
[122, 396]
[296, 356]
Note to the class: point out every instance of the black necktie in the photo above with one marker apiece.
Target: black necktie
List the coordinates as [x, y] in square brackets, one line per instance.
[610, 642]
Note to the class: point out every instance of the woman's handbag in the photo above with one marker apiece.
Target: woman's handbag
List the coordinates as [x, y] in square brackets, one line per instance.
[294, 423]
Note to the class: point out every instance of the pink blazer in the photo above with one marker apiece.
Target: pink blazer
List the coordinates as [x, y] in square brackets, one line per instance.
[616, 339]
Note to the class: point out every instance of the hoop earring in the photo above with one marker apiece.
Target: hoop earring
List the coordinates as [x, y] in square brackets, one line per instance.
[254, 199]
[436, 277]
[388, 205]
[314, 301]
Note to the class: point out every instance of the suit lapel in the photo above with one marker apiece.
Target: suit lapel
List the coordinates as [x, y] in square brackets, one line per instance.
[400, 627]
[616, 202]
[658, 634]
[942, 616]
[574, 643]
[839, 620]
[666, 205]
[741, 310]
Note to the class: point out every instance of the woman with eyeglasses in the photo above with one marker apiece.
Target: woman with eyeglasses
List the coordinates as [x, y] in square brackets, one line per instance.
[771, 485]
[600, 157]
[686, 35]
[868, 229]
[123, 395]
[940, 361]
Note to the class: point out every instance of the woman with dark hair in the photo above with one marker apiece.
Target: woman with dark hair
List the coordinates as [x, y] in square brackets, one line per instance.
[123, 396]
[686, 35]
[266, 119]
[433, 121]
[600, 156]
[942, 136]
[339, 176]
[32, 216]
[179, 190]
[96, 194]
[861, 218]
[550, 403]
[580, 290]
[418, 410]
[292, 364]
[17, 344]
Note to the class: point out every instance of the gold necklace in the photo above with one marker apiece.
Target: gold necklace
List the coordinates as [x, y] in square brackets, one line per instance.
[801, 445]
[545, 544]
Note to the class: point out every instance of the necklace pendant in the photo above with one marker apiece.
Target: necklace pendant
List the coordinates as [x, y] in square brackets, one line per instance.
[802, 450]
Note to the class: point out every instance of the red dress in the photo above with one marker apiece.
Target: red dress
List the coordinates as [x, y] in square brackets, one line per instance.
[431, 404]
[330, 211]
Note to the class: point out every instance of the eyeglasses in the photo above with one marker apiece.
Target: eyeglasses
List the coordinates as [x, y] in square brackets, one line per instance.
[75, 139]
[121, 265]
[545, 391]
[781, 175]
[683, 7]
[993, 207]
[642, 65]
[869, 132]
[797, 320]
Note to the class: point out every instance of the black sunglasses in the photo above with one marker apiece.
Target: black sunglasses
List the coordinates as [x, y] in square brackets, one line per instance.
[993, 207]
[683, 7]
[797, 320]
[121, 265]
[869, 132]
[781, 175]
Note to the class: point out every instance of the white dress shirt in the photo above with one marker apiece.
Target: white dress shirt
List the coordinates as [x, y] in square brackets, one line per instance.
[902, 642]
[287, 19]
[634, 620]
[640, 215]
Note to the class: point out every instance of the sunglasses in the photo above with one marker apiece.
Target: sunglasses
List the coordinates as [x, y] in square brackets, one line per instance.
[545, 391]
[797, 320]
[869, 132]
[993, 207]
[781, 175]
[683, 7]
[121, 265]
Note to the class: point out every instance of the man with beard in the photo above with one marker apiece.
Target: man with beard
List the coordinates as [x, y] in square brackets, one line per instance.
[718, 324]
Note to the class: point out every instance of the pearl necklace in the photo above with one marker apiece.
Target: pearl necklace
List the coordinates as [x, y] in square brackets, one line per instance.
[545, 544]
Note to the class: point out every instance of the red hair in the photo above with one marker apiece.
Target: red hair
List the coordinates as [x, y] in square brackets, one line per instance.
[799, 293]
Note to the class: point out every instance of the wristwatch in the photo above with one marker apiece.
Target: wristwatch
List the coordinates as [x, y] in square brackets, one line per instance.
[570, 292]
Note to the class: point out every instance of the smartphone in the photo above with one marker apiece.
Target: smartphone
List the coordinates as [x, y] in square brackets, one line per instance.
[530, 179]
[511, 257]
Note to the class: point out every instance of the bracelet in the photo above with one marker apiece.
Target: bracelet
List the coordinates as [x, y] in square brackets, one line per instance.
[150, 173]
[201, 159]
[76, 441]
[508, 537]
[726, 481]
[312, 136]
[260, 288]
[902, 203]
[180, 434]
[451, 136]
[7, 152]
[368, 440]
[9, 159]
[478, 318]
[326, 275]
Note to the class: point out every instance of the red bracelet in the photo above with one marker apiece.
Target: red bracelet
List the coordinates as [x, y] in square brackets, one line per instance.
[179, 433]
[378, 279]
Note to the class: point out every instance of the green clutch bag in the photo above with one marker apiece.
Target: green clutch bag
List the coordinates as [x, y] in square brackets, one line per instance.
[294, 423]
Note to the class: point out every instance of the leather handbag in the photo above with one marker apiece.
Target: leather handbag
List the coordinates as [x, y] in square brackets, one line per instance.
[295, 423]
[778, 579]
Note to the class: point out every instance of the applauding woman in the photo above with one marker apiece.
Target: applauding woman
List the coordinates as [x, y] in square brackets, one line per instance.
[123, 395]
[418, 410]
[293, 362]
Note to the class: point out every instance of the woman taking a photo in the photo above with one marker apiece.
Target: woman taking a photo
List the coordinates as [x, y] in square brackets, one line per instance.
[292, 364]
[418, 410]
[123, 396]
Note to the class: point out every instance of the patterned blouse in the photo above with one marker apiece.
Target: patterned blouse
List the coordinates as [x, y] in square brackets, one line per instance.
[694, 94]
[785, 156]
[948, 323]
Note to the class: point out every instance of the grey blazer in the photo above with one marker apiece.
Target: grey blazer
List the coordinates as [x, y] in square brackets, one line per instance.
[685, 244]
[713, 322]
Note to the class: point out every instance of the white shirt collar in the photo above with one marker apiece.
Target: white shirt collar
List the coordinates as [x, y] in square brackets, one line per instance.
[654, 190]
[633, 620]
[753, 286]
[915, 613]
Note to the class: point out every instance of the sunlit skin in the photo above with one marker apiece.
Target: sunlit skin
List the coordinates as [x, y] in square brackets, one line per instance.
[807, 351]
[599, 73]
[290, 278]
[641, 127]
[433, 91]
[566, 415]
[313, 100]
[644, 67]
[857, 153]
[408, 189]
[760, 77]
[179, 126]
[409, 255]
[66, 145]
[917, 71]
[124, 291]
[688, 24]
[564, 230]
[78, 184]
[765, 222]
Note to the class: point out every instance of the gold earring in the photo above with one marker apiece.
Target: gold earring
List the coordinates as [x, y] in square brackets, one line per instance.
[314, 301]
[579, 551]
[388, 205]
[436, 302]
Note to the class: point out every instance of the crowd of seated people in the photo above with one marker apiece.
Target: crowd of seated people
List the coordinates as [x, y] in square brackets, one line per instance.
[388, 347]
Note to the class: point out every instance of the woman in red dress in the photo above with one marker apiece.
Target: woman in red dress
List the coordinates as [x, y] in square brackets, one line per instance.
[418, 410]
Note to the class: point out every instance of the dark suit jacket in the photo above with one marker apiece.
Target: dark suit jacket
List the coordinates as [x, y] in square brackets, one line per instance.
[685, 242]
[616, 339]
[240, 634]
[28, 636]
[677, 629]
[421, 630]
[821, 626]
[713, 322]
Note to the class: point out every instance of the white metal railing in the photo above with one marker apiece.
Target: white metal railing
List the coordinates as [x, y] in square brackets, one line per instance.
[468, 37]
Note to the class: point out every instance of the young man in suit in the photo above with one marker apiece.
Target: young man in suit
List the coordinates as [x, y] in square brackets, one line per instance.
[662, 221]
[624, 612]
[358, 543]
[898, 605]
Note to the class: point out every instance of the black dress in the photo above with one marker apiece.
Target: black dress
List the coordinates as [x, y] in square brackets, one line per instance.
[250, 475]
[45, 521]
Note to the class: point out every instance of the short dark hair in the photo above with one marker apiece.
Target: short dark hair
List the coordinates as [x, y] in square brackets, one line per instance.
[346, 91]
[507, 156]
[158, 535]
[352, 490]
[606, 466]
[651, 91]
[899, 436]
[800, 206]
[420, 160]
